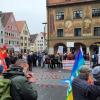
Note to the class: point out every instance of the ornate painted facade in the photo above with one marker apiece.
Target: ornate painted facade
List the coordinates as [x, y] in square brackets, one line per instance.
[76, 21]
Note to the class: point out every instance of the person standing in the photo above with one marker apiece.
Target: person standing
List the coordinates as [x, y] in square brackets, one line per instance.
[29, 60]
[22, 87]
[83, 87]
[34, 59]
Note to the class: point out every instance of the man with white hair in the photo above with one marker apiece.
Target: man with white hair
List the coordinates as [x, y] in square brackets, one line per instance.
[21, 87]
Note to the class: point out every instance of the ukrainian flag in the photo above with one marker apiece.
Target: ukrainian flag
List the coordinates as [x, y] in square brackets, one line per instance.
[79, 61]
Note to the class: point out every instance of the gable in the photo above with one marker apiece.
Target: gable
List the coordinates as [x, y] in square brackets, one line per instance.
[11, 24]
[20, 25]
[26, 30]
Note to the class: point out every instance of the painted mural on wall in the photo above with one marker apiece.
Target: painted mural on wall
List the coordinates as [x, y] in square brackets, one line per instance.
[87, 25]
[68, 26]
[52, 26]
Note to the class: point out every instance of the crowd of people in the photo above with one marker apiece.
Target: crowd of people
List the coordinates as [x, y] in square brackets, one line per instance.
[85, 87]
[41, 59]
[36, 60]
[17, 83]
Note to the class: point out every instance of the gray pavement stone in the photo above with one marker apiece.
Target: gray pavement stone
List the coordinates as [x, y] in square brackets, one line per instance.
[50, 84]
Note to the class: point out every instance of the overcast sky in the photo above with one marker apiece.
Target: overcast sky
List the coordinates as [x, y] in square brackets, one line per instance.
[33, 11]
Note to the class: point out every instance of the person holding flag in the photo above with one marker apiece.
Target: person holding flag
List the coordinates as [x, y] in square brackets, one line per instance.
[81, 83]
[79, 62]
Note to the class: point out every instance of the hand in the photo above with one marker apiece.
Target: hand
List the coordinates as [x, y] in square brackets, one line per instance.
[90, 80]
[31, 77]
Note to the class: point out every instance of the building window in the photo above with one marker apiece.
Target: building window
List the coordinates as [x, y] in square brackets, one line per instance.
[17, 42]
[25, 44]
[41, 37]
[78, 14]
[60, 16]
[8, 27]
[96, 31]
[25, 32]
[7, 34]
[1, 41]
[25, 38]
[77, 32]
[21, 38]
[96, 12]
[21, 44]
[9, 42]
[59, 32]
[1, 32]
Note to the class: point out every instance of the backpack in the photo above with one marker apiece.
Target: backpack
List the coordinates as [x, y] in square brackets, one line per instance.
[22, 89]
[5, 89]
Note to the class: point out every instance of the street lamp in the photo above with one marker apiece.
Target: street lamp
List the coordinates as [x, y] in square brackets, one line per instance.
[45, 23]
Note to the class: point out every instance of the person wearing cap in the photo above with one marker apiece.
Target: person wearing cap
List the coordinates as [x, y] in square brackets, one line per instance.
[29, 75]
[83, 87]
[96, 72]
[21, 86]
[96, 75]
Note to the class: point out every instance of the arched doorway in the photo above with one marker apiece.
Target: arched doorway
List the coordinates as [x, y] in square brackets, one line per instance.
[77, 45]
[57, 46]
[95, 47]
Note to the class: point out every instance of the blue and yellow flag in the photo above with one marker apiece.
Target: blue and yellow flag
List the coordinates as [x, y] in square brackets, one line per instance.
[79, 61]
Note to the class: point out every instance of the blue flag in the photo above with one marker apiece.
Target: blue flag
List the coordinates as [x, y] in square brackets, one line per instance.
[79, 62]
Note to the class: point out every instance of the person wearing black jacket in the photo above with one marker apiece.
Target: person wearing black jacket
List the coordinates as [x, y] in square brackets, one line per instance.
[8, 61]
[29, 60]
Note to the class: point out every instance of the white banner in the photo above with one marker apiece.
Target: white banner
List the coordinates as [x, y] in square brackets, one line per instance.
[68, 64]
[17, 49]
[60, 50]
[70, 44]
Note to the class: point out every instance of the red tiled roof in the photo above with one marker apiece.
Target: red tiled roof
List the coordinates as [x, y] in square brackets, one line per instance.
[59, 2]
[5, 17]
[20, 25]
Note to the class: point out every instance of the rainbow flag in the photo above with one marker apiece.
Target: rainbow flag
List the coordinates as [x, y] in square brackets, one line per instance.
[79, 61]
